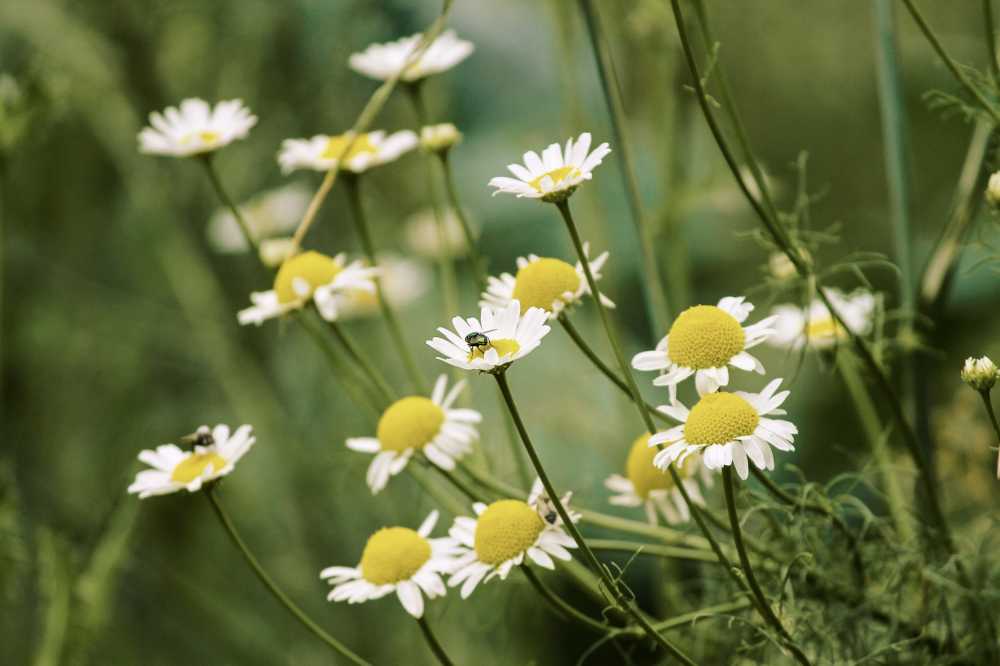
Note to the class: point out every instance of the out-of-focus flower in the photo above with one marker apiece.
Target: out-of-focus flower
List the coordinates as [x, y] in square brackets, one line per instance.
[195, 128]
[383, 61]
[979, 373]
[323, 152]
[268, 214]
[993, 189]
[556, 174]
[796, 326]
[781, 267]
[423, 237]
[494, 341]
[436, 138]
[401, 280]
[275, 251]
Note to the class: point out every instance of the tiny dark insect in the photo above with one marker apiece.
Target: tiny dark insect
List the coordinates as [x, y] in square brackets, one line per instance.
[201, 437]
[551, 517]
[477, 340]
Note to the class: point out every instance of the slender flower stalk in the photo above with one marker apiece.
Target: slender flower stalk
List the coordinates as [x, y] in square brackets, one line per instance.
[988, 404]
[227, 201]
[368, 246]
[364, 363]
[433, 643]
[561, 605]
[471, 242]
[989, 32]
[273, 588]
[763, 605]
[612, 586]
[360, 391]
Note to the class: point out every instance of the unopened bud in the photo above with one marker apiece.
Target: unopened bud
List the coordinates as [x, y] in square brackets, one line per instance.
[979, 373]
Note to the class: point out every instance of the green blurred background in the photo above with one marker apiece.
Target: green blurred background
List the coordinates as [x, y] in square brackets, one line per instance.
[119, 328]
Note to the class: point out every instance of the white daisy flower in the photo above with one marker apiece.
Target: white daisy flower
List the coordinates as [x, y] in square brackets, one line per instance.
[796, 326]
[424, 238]
[704, 341]
[647, 486]
[509, 336]
[323, 152]
[415, 423]
[502, 533]
[382, 61]
[272, 213]
[554, 175]
[400, 560]
[544, 282]
[195, 128]
[726, 429]
[309, 276]
[215, 453]
[403, 281]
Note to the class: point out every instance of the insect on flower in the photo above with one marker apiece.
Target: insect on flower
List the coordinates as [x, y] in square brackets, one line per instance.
[478, 341]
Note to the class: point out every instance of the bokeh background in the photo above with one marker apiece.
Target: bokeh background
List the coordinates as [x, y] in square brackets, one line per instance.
[119, 328]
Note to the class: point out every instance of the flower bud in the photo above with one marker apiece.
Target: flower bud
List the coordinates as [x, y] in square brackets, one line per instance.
[438, 138]
[993, 190]
[979, 373]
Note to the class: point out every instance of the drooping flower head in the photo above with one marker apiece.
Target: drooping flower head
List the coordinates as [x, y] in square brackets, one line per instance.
[796, 326]
[382, 61]
[195, 128]
[503, 533]
[556, 174]
[544, 282]
[494, 341]
[400, 560]
[415, 423]
[323, 152]
[309, 277]
[704, 341]
[726, 428]
[653, 488]
[214, 455]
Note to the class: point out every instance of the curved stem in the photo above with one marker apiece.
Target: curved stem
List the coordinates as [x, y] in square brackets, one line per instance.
[701, 614]
[562, 606]
[989, 29]
[988, 404]
[611, 584]
[368, 246]
[273, 588]
[763, 605]
[653, 550]
[388, 395]
[227, 201]
[479, 267]
[433, 643]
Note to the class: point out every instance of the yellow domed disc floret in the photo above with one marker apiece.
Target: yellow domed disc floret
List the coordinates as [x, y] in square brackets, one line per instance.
[644, 476]
[505, 530]
[194, 465]
[503, 347]
[543, 282]
[409, 423]
[719, 418]
[313, 268]
[335, 147]
[557, 176]
[705, 336]
[393, 554]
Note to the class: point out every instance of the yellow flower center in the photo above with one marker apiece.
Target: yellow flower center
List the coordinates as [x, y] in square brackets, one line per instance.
[505, 530]
[541, 283]
[410, 423]
[644, 476]
[393, 554]
[557, 176]
[195, 464]
[503, 347]
[312, 268]
[207, 137]
[705, 336]
[719, 418]
[336, 144]
[825, 329]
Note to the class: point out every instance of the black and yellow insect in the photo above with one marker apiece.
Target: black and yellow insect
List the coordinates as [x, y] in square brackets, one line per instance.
[477, 341]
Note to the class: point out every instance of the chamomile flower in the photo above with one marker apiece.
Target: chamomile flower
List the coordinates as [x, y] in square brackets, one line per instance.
[267, 215]
[503, 336]
[556, 174]
[544, 282]
[309, 276]
[439, 138]
[726, 429]
[323, 152]
[195, 128]
[648, 486]
[415, 423]
[502, 534]
[815, 325]
[402, 282]
[216, 452]
[383, 61]
[396, 559]
[704, 341]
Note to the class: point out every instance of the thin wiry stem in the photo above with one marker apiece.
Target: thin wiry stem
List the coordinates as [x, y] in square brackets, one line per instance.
[561, 605]
[989, 30]
[361, 392]
[479, 267]
[227, 201]
[433, 643]
[988, 404]
[273, 588]
[366, 365]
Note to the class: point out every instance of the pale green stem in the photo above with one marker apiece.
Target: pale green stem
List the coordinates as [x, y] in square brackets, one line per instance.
[653, 550]
[213, 176]
[988, 404]
[361, 392]
[433, 643]
[365, 364]
[479, 267]
[702, 614]
[273, 588]
[989, 29]
[561, 605]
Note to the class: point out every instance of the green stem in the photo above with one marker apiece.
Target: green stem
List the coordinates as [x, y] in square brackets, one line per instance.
[610, 583]
[227, 201]
[653, 550]
[701, 614]
[272, 586]
[479, 267]
[522, 466]
[368, 246]
[433, 643]
[652, 283]
[989, 29]
[374, 376]
[985, 395]
[361, 392]
[562, 606]
[763, 605]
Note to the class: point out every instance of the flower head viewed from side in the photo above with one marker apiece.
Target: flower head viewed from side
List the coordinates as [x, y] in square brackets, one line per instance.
[544, 282]
[195, 128]
[648, 486]
[400, 560]
[323, 152]
[383, 61]
[556, 174]
[494, 341]
[726, 429]
[415, 423]
[815, 325]
[704, 341]
[310, 276]
[502, 534]
[216, 451]
[980, 373]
